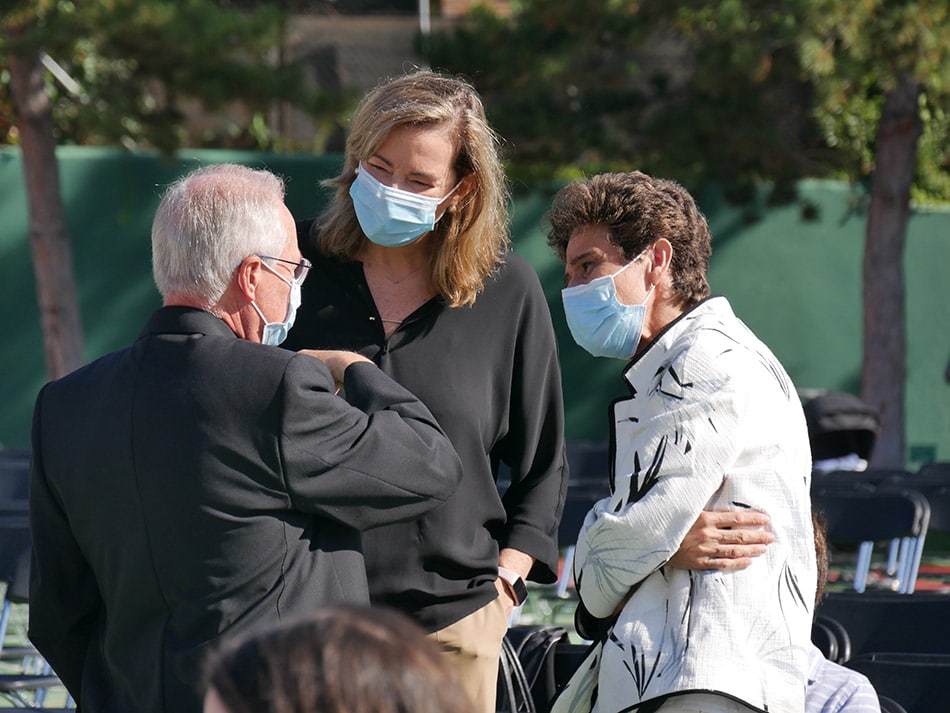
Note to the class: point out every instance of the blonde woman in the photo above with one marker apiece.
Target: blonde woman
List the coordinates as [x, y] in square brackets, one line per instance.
[411, 269]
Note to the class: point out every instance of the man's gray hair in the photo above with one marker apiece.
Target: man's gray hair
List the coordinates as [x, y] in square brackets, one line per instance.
[208, 222]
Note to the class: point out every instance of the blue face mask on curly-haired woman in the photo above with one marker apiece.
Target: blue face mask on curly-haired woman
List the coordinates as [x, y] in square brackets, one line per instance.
[391, 217]
[599, 322]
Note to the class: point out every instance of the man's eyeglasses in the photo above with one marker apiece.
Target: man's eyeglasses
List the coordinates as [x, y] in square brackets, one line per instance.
[300, 268]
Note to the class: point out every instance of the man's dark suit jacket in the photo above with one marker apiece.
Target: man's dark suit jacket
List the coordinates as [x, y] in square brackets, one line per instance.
[196, 486]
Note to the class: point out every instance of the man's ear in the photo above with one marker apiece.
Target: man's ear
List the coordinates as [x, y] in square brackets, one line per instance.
[661, 255]
[247, 276]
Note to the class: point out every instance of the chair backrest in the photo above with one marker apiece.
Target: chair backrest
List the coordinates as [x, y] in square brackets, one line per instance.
[535, 646]
[917, 682]
[889, 705]
[938, 497]
[14, 571]
[14, 473]
[885, 621]
[567, 657]
[15, 550]
[858, 516]
[588, 460]
[578, 502]
[937, 471]
[860, 519]
[870, 479]
[589, 482]
[831, 638]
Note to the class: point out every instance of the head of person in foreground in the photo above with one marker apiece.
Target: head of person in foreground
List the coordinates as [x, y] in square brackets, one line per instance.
[341, 659]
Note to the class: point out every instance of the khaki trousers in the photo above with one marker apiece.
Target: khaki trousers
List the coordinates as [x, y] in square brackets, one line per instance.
[473, 647]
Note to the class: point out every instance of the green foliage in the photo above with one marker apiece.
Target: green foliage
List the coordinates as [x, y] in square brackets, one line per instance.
[853, 54]
[559, 81]
[933, 169]
[739, 92]
[139, 64]
[739, 116]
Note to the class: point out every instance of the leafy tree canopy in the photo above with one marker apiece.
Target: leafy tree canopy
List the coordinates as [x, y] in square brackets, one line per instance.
[736, 91]
[127, 69]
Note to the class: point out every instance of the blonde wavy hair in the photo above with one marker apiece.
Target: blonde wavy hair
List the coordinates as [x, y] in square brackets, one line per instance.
[469, 242]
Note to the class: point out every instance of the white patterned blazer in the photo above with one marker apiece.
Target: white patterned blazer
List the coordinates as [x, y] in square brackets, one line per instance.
[712, 422]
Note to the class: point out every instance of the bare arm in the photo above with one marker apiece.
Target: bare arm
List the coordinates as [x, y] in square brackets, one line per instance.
[723, 540]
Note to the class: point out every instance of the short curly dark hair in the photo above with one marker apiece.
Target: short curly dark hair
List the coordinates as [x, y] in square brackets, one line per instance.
[637, 210]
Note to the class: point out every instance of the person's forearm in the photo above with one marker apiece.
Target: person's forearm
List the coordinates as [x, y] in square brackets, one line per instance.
[516, 561]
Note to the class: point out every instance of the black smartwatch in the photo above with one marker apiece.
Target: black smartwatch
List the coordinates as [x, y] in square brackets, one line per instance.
[514, 584]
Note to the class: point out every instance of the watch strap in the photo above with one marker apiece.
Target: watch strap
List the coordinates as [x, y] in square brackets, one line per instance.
[514, 584]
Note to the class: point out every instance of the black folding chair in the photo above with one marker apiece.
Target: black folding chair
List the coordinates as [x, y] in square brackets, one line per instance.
[889, 705]
[937, 472]
[917, 682]
[859, 520]
[886, 621]
[831, 638]
[14, 473]
[589, 473]
[30, 677]
[867, 480]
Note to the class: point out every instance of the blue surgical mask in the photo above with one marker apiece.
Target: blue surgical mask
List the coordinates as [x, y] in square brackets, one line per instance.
[389, 216]
[276, 332]
[599, 322]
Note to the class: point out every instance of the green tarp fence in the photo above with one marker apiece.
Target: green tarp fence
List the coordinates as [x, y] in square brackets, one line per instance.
[792, 273]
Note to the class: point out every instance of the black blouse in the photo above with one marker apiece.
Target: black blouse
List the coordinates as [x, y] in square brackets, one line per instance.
[489, 373]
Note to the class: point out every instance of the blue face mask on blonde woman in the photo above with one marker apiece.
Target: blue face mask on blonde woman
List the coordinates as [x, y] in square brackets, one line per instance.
[391, 217]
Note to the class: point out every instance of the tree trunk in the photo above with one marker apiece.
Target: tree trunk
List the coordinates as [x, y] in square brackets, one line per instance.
[49, 237]
[883, 374]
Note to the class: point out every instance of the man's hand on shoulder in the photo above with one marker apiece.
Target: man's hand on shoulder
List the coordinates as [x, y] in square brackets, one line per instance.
[727, 540]
[336, 360]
